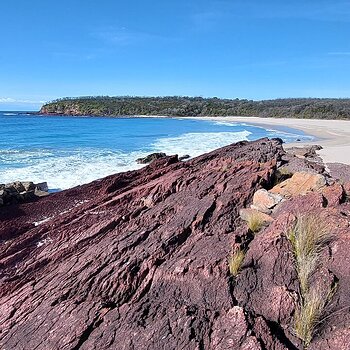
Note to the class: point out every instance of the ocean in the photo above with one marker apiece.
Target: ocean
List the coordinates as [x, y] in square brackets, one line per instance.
[70, 151]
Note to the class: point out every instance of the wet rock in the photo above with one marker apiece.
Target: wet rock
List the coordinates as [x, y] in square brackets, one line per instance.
[186, 156]
[42, 186]
[151, 157]
[19, 192]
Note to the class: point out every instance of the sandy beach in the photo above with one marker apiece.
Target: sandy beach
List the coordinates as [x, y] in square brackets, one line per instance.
[332, 135]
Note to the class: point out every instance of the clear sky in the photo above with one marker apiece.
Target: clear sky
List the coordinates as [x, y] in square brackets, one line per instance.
[227, 48]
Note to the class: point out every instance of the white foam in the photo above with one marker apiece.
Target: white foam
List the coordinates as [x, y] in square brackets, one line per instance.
[66, 169]
[226, 123]
[196, 144]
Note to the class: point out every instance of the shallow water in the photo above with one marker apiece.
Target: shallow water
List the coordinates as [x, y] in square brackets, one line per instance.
[69, 151]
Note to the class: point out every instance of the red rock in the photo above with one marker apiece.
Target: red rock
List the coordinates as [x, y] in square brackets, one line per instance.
[137, 260]
[334, 194]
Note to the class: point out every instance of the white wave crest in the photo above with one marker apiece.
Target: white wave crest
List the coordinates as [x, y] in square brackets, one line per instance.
[65, 169]
[196, 144]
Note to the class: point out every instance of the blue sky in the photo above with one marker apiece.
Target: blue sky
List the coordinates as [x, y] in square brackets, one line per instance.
[226, 48]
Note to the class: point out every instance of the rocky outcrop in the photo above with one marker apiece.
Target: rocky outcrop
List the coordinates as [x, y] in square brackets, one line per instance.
[302, 159]
[150, 158]
[20, 192]
[139, 260]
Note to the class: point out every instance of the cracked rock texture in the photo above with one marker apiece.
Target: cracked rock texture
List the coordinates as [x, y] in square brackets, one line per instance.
[138, 260]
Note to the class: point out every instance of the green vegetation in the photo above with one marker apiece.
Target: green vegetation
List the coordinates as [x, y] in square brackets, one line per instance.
[235, 261]
[198, 106]
[308, 238]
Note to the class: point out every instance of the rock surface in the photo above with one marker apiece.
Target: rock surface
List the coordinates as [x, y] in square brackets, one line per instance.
[150, 158]
[19, 192]
[264, 200]
[138, 260]
[299, 184]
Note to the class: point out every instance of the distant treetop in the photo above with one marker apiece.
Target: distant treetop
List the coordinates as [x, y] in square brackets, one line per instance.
[183, 106]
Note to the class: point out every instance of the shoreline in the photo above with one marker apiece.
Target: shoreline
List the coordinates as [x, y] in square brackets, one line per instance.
[332, 135]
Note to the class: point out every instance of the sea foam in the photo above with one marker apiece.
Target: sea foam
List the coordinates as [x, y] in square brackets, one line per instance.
[66, 169]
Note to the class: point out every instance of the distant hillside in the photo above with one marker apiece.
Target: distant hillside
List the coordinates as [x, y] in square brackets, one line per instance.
[198, 106]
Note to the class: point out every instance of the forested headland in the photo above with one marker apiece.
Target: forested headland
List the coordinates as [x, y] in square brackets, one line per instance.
[310, 108]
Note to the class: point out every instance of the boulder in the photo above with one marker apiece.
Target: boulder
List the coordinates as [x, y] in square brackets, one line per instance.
[40, 193]
[18, 192]
[339, 171]
[300, 184]
[151, 157]
[28, 186]
[15, 187]
[186, 156]
[42, 186]
[264, 201]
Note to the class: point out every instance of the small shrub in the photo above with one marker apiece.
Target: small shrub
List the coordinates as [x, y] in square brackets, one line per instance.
[235, 261]
[308, 237]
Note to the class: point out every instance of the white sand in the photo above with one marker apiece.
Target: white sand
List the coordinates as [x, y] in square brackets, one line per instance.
[332, 135]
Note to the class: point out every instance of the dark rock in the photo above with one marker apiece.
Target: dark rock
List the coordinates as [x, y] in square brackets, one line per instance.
[42, 186]
[150, 158]
[186, 156]
[19, 192]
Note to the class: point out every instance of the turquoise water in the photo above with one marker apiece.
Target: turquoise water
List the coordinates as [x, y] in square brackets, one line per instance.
[69, 151]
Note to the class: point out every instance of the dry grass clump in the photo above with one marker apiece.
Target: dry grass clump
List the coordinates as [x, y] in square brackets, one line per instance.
[310, 312]
[255, 221]
[235, 261]
[308, 238]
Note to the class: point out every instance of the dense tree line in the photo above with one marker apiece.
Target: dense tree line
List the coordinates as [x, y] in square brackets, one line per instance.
[198, 106]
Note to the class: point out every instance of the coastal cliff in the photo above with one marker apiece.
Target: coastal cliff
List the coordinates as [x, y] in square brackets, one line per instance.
[147, 259]
[197, 106]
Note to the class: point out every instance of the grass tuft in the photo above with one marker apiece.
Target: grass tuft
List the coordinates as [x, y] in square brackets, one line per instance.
[309, 314]
[308, 237]
[255, 222]
[235, 261]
